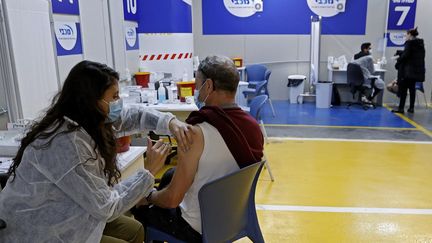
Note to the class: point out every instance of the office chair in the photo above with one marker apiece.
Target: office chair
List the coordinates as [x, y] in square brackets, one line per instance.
[419, 87]
[355, 81]
[261, 87]
[256, 106]
[227, 209]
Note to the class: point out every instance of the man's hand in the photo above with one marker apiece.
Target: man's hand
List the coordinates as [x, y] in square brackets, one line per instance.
[182, 133]
[156, 155]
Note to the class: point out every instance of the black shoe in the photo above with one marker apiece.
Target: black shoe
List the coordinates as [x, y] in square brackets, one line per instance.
[398, 111]
[411, 110]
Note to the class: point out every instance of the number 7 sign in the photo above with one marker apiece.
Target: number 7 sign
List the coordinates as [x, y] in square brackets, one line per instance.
[402, 14]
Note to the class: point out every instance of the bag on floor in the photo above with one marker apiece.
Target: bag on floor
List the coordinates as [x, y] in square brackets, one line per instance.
[336, 100]
[393, 87]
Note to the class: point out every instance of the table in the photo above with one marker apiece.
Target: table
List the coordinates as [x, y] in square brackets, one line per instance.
[180, 110]
[339, 78]
[242, 72]
[131, 161]
[240, 99]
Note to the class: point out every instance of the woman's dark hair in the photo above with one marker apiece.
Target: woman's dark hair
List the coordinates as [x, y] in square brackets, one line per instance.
[414, 32]
[78, 100]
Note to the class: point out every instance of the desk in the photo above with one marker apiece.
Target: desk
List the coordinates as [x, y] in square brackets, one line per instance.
[240, 99]
[180, 110]
[242, 71]
[10, 142]
[339, 78]
[131, 161]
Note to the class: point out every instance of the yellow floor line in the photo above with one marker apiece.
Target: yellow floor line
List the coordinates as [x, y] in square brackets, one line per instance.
[353, 127]
[415, 124]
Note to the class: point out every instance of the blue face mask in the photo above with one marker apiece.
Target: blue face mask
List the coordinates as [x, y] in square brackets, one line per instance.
[198, 103]
[115, 108]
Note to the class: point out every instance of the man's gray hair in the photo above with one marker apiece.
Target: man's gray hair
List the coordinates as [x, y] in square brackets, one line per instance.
[222, 71]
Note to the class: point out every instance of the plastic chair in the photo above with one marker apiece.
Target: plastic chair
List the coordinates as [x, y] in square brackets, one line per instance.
[261, 87]
[419, 87]
[255, 73]
[355, 79]
[256, 106]
[227, 209]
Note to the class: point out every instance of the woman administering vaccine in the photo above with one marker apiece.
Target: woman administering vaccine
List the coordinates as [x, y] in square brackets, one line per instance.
[64, 182]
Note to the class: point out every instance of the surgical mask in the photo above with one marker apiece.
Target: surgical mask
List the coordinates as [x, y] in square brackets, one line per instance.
[115, 108]
[198, 103]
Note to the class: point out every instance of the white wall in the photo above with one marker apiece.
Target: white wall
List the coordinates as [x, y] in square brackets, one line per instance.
[122, 59]
[289, 54]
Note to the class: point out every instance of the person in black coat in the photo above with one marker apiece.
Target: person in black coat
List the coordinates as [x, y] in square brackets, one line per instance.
[411, 69]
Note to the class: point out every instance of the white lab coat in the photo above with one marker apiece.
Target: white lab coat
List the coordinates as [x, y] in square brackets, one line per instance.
[60, 192]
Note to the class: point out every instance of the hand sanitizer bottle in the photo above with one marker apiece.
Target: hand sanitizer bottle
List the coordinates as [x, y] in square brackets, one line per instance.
[161, 93]
[185, 76]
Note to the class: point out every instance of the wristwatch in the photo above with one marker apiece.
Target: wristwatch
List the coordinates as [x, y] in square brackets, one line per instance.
[148, 198]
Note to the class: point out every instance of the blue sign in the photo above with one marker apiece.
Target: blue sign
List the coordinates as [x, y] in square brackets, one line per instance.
[164, 16]
[65, 7]
[402, 14]
[396, 39]
[283, 17]
[131, 38]
[130, 10]
[68, 38]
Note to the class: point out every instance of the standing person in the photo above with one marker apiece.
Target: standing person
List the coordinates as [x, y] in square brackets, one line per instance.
[411, 69]
[63, 184]
[365, 50]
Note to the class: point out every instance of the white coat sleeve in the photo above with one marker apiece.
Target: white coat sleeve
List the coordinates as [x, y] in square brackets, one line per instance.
[136, 119]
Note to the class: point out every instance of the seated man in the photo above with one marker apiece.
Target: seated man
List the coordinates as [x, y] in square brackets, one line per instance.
[370, 81]
[225, 140]
[365, 50]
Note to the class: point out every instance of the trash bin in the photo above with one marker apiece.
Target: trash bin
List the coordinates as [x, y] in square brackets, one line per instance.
[296, 84]
[323, 94]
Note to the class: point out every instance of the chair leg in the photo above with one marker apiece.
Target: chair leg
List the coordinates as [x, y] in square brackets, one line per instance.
[271, 106]
[267, 166]
[264, 132]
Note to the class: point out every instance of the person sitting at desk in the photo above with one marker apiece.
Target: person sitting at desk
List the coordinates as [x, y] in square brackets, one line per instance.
[63, 183]
[370, 81]
[227, 139]
[365, 50]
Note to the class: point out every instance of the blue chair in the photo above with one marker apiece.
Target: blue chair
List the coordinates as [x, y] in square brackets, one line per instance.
[255, 73]
[227, 209]
[419, 87]
[261, 87]
[256, 106]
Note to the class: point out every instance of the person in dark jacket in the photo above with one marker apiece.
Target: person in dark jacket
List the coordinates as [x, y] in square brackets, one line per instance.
[411, 69]
[366, 50]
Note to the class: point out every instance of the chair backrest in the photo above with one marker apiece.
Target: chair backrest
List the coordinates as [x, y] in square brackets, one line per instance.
[355, 78]
[256, 106]
[354, 75]
[419, 86]
[255, 72]
[228, 206]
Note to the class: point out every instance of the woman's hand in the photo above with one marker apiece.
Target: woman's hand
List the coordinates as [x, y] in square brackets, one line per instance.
[156, 155]
[182, 133]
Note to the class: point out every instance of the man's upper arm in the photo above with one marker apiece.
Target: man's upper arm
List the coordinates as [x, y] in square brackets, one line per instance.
[184, 174]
